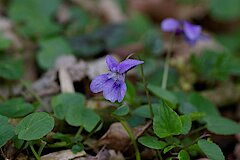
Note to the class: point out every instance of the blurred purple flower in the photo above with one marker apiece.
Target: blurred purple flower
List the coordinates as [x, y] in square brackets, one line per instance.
[112, 84]
[191, 32]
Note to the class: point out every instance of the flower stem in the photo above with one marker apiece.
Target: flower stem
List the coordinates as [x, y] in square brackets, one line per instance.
[34, 152]
[124, 124]
[146, 90]
[166, 64]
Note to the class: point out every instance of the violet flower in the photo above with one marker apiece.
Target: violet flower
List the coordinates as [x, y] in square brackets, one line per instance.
[191, 32]
[112, 84]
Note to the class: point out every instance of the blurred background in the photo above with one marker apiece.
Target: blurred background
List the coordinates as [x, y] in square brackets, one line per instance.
[37, 37]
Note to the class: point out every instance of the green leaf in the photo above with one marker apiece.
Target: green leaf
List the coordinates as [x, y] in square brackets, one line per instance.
[166, 122]
[152, 142]
[212, 65]
[223, 126]
[196, 115]
[130, 93]
[168, 96]
[168, 148]
[51, 49]
[212, 150]
[77, 148]
[34, 126]
[186, 124]
[78, 116]
[11, 69]
[5, 43]
[121, 111]
[15, 108]
[62, 102]
[183, 155]
[202, 104]
[153, 43]
[144, 111]
[34, 17]
[231, 9]
[6, 130]
[71, 107]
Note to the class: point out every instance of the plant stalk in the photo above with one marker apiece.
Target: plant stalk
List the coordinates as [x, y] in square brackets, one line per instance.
[166, 64]
[125, 126]
[34, 152]
[146, 90]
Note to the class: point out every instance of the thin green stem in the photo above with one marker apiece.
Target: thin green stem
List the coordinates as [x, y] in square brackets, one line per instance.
[43, 144]
[195, 141]
[166, 64]
[34, 152]
[159, 154]
[34, 95]
[79, 131]
[198, 129]
[146, 90]
[126, 127]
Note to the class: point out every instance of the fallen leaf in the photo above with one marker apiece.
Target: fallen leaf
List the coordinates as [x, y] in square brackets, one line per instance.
[115, 138]
[63, 155]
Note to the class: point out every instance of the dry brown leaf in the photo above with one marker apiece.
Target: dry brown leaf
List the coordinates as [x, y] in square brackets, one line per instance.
[115, 138]
[111, 11]
[63, 155]
[116, 155]
[237, 151]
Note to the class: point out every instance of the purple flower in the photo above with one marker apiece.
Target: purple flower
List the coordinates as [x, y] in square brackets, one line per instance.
[112, 84]
[191, 32]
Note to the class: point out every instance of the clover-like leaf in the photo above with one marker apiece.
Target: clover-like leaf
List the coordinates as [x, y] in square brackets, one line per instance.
[15, 108]
[34, 126]
[11, 69]
[51, 49]
[6, 130]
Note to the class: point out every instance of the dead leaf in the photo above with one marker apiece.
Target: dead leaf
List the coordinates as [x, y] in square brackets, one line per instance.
[115, 138]
[116, 155]
[63, 155]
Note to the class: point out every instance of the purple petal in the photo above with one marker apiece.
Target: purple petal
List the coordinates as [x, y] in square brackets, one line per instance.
[114, 90]
[123, 89]
[192, 32]
[111, 63]
[170, 25]
[98, 83]
[128, 64]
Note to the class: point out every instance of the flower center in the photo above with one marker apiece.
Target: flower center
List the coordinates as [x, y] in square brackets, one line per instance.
[116, 76]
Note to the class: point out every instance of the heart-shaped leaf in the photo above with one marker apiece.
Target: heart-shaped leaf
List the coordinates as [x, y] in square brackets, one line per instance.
[6, 130]
[166, 122]
[34, 126]
[15, 108]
